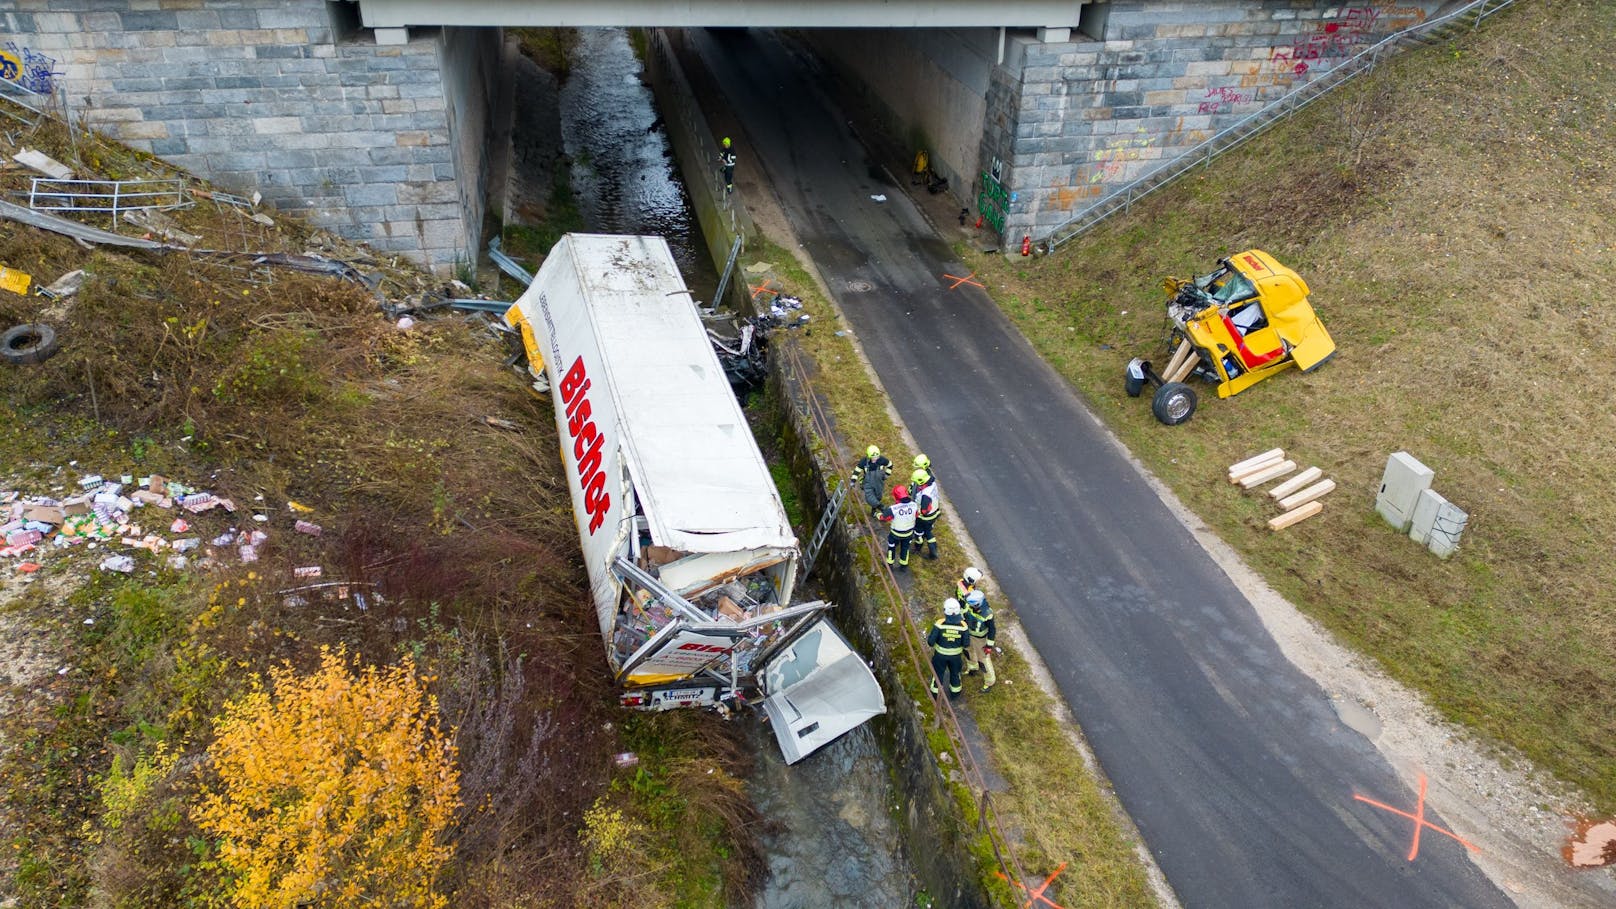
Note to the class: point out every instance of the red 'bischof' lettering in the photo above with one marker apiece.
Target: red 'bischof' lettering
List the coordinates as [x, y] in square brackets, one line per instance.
[586, 444]
[704, 648]
[570, 383]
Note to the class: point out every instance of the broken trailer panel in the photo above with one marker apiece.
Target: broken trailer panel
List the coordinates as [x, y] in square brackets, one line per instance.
[692, 562]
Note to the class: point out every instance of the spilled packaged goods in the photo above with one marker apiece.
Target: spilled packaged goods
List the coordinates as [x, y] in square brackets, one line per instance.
[41, 532]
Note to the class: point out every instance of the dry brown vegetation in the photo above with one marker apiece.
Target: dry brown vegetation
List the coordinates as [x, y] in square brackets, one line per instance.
[1454, 217]
[256, 382]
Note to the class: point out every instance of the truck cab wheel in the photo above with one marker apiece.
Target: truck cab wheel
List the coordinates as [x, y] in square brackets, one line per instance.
[1174, 403]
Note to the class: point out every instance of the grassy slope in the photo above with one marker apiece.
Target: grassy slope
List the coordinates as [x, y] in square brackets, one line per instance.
[288, 387]
[1453, 215]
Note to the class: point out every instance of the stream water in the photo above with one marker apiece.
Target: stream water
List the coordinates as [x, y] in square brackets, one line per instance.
[833, 839]
[623, 172]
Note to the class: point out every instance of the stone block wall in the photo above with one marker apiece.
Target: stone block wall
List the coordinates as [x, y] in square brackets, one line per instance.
[1088, 115]
[375, 142]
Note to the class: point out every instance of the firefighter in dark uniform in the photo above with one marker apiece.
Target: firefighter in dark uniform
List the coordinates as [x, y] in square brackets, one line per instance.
[979, 621]
[870, 474]
[947, 639]
[931, 508]
[900, 518]
[726, 158]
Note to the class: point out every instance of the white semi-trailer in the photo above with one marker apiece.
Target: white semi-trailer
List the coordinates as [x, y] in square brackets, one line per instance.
[692, 561]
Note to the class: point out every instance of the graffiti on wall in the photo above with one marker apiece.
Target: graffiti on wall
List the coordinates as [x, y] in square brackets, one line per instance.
[1111, 162]
[1223, 98]
[28, 68]
[993, 199]
[1336, 38]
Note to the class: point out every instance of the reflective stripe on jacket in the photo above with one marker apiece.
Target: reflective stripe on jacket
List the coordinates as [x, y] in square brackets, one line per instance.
[902, 516]
[947, 635]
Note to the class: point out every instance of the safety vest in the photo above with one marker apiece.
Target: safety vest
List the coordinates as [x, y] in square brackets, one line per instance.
[931, 505]
[980, 620]
[962, 589]
[947, 636]
[726, 158]
[903, 517]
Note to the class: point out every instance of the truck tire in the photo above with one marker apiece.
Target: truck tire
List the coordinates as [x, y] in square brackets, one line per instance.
[1174, 403]
[26, 345]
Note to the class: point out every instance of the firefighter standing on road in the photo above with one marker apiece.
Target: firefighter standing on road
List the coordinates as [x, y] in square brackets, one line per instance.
[947, 640]
[900, 516]
[726, 159]
[870, 473]
[979, 620]
[931, 508]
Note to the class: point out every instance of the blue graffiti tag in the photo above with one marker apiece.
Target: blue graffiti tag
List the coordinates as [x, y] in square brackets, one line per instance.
[28, 68]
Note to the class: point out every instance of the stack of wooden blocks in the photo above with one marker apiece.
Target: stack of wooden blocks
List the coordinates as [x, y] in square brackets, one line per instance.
[1298, 496]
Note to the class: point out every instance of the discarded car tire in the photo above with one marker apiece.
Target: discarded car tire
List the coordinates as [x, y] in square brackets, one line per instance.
[1174, 403]
[25, 345]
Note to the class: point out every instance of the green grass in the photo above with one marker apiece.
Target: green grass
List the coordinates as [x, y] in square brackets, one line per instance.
[1452, 216]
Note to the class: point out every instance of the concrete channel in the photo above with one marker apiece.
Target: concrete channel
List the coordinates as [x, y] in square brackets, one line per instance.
[869, 820]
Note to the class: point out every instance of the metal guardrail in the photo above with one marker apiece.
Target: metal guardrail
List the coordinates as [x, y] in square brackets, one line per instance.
[23, 97]
[1425, 33]
[108, 197]
[507, 264]
[812, 409]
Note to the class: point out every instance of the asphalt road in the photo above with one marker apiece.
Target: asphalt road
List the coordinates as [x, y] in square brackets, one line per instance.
[1237, 771]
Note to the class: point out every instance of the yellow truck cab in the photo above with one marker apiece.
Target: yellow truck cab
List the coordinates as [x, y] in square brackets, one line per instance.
[1240, 324]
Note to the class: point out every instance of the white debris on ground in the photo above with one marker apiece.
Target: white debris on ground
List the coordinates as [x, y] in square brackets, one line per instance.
[137, 520]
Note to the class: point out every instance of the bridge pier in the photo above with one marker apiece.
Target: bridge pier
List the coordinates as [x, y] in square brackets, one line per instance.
[376, 135]
[1031, 125]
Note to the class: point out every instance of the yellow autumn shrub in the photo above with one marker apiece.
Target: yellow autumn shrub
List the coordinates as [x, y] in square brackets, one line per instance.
[333, 789]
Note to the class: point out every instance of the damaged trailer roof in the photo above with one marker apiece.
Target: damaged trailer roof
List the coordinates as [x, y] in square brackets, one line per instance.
[700, 477]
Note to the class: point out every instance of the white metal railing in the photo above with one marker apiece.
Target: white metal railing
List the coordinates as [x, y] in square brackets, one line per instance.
[23, 97]
[108, 197]
[1428, 32]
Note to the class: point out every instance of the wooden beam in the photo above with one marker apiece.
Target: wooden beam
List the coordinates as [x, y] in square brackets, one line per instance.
[1267, 473]
[1177, 359]
[1259, 468]
[1317, 490]
[1271, 455]
[1184, 369]
[1296, 515]
[1297, 482]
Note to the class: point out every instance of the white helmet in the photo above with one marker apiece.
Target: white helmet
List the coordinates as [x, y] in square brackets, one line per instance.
[951, 606]
[973, 574]
[975, 598]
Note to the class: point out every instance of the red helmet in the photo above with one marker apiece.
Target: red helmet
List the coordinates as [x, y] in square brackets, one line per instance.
[900, 493]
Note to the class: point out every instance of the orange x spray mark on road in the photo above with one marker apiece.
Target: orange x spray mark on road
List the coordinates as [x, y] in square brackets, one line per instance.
[765, 287]
[965, 280]
[1037, 895]
[1418, 817]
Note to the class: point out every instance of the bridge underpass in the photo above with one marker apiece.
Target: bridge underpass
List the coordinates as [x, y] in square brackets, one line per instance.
[1030, 109]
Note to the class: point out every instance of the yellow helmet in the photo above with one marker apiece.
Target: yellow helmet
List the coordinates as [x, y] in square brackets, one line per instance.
[919, 477]
[922, 462]
[872, 452]
[726, 142]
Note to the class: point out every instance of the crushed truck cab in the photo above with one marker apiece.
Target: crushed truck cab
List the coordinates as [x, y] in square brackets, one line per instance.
[692, 561]
[1238, 325]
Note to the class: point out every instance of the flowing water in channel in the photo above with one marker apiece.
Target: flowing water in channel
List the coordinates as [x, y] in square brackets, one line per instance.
[833, 841]
[622, 170]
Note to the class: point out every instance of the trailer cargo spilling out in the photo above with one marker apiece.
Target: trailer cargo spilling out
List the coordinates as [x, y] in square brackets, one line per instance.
[692, 562]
